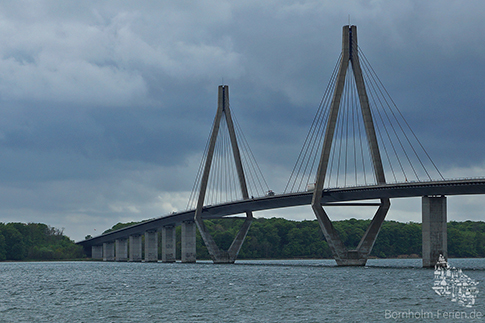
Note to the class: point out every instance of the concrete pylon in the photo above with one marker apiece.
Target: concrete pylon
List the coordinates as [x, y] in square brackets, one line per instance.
[121, 249]
[151, 246]
[97, 252]
[109, 251]
[218, 255]
[434, 229]
[168, 243]
[188, 242]
[135, 254]
[343, 256]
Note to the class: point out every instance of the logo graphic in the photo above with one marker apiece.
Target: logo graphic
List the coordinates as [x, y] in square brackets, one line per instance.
[452, 283]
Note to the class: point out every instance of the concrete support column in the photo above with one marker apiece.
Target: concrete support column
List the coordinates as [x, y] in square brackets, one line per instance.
[151, 246]
[135, 248]
[97, 252]
[188, 241]
[109, 251]
[121, 250]
[168, 244]
[434, 229]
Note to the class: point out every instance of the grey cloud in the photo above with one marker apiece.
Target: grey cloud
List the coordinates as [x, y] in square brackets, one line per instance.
[105, 106]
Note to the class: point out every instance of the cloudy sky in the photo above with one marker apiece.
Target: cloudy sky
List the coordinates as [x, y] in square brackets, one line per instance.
[106, 106]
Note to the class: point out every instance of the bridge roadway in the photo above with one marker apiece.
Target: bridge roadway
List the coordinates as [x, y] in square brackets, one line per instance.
[330, 197]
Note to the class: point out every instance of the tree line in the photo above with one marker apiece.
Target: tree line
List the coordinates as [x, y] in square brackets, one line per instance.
[274, 238]
[36, 241]
[278, 238]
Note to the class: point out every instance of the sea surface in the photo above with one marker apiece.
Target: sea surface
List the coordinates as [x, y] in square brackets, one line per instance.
[386, 290]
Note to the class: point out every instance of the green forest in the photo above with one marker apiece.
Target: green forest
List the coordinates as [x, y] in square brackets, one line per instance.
[36, 241]
[274, 238]
[277, 238]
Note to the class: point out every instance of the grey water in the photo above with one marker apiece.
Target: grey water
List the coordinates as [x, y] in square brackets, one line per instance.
[386, 290]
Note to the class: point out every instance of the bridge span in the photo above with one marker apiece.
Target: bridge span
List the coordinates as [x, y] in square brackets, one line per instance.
[349, 194]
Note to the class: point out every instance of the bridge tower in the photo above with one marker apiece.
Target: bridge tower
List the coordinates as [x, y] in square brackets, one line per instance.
[218, 255]
[344, 257]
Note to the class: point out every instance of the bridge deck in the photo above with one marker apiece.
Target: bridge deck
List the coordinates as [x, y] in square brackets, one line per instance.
[330, 196]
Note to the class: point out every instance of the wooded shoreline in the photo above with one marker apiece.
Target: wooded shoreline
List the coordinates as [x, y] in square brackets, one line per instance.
[274, 238]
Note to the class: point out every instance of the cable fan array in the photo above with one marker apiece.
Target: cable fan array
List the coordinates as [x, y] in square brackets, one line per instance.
[350, 164]
[223, 184]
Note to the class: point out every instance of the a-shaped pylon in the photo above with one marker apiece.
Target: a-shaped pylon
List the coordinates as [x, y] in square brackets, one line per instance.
[218, 255]
[342, 255]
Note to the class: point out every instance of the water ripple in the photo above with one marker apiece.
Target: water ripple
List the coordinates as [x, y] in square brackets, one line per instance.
[250, 291]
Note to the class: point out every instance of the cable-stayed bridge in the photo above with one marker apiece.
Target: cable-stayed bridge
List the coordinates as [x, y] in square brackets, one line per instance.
[359, 151]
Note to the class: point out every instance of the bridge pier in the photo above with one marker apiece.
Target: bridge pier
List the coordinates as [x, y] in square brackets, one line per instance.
[351, 258]
[121, 250]
[151, 246]
[135, 248]
[109, 251]
[97, 252]
[168, 243]
[188, 241]
[358, 256]
[434, 229]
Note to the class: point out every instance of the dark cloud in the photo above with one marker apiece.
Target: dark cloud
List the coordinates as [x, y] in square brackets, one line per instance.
[106, 106]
